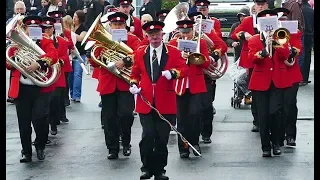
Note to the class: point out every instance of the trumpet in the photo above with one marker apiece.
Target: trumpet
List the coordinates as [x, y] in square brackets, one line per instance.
[276, 38]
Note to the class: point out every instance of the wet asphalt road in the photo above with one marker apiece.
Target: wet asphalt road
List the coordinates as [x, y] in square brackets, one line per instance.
[79, 152]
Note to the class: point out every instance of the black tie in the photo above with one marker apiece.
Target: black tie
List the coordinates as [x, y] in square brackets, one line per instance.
[155, 66]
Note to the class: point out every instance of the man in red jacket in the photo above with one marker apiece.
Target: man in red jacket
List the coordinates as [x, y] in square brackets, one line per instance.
[117, 102]
[132, 22]
[190, 91]
[32, 98]
[203, 7]
[155, 66]
[219, 48]
[289, 129]
[243, 32]
[268, 82]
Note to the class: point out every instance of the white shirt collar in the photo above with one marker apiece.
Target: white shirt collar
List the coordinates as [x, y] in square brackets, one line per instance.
[158, 49]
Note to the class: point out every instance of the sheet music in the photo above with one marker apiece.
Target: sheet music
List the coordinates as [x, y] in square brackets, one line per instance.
[187, 45]
[35, 33]
[119, 35]
[268, 23]
[292, 26]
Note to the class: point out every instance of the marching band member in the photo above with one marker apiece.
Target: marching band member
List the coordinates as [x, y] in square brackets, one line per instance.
[268, 82]
[189, 91]
[161, 15]
[243, 32]
[132, 22]
[154, 68]
[117, 102]
[32, 102]
[203, 7]
[290, 94]
[64, 45]
[47, 26]
[68, 26]
[220, 48]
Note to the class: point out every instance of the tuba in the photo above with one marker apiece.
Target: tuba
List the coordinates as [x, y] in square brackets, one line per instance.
[216, 69]
[112, 52]
[26, 53]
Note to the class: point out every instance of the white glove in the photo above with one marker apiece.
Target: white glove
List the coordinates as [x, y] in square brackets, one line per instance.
[33, 8]
[166, 74]
[134, 89]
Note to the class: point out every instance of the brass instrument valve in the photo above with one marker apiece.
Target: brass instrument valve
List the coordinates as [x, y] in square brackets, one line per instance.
[127, 61]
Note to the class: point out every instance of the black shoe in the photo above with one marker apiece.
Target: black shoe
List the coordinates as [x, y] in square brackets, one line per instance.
[214, 110]
[255, 128]
[113, 155]
[10, 100]
[266, 154]
[184, 154]
[67, 103]
[145, 175]
[197, 147]
[206, 140]
[276, 150]
[127, 150]
[41, 154]
[65, 120]
[161, 176]
[281, 143]
[26, 158]
[53, 132]
[291, 142]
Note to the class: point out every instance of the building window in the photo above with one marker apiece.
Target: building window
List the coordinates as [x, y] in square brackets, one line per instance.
[138, 7]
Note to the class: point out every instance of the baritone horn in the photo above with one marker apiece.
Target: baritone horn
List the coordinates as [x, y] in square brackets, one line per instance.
[27, 52]
[112, 51]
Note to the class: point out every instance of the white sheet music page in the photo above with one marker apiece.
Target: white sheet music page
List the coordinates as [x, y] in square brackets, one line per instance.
[187, 45]
[268, 23]
[119, 35]
[292, 26]
[35, 33]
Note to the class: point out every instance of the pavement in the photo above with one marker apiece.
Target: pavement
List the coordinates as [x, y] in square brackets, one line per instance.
[78, 151]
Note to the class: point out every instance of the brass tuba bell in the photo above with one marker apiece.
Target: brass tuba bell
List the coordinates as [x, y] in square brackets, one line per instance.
[27, 52]
[112, 52]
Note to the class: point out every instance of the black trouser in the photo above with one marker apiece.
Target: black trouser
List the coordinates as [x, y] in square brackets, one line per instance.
[10, 82]
[62, 108]
[307, 49]
[66, 74]
[189, 107]
[213, 86]
[31, 106]
[269, 106]
[153, 145]
[117, 110]
[207, 112]
[57, 107]
[288, 127]
[101, 114]
[254, 110]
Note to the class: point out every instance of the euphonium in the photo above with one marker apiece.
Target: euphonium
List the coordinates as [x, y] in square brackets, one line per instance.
[112, 52]
[27, 52]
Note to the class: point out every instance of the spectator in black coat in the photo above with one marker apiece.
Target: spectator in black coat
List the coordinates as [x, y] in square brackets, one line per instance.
[305, 58]
[33, 6]
[9, 9]
[244, 12]
[148, 7]
[73, 5]
[94, 8]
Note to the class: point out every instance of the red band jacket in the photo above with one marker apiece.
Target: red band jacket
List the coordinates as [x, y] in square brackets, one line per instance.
[161, 93]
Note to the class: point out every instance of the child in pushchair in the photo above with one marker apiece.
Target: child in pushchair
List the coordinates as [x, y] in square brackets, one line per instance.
[240, 79]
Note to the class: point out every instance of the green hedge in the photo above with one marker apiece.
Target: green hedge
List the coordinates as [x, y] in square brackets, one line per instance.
[169, 4]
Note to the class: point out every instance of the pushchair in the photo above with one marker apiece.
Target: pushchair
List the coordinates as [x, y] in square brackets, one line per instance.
[240, 84]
